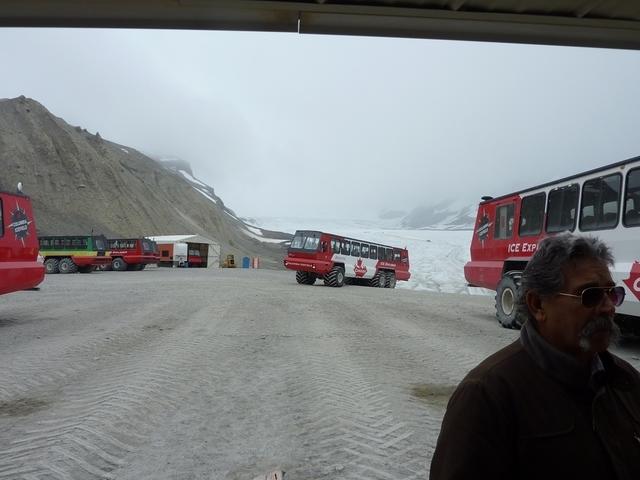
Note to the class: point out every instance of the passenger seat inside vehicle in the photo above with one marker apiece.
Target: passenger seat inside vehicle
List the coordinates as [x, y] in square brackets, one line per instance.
[632, 218]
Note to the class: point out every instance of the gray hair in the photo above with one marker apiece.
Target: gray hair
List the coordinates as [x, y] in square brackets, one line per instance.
[544, 272]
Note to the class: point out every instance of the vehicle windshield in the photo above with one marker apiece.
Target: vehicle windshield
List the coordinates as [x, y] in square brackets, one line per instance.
[305, 241]
[99, 243]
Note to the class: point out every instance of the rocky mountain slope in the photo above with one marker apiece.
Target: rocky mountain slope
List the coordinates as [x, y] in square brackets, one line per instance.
[80, 182]
[445, 215]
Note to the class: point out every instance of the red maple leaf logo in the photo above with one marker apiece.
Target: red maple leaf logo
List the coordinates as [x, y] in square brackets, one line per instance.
[633, 282]
[360, 268]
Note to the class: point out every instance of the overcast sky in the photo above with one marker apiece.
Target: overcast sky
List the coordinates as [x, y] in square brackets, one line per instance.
[328, 126]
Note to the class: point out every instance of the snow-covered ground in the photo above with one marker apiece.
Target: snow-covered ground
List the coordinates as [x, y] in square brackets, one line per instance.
[437, 257]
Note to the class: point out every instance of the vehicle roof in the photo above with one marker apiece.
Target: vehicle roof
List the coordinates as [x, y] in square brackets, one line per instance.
[14, 194]
[67, 236]
[565, 179]
[344, 237]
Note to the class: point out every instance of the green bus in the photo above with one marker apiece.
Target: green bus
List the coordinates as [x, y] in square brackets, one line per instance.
[73, 253]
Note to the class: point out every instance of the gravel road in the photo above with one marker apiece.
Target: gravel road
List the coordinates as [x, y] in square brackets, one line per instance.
[231, 374]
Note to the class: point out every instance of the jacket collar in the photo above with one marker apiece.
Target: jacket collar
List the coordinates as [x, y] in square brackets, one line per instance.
[605, 368]
[559, 365]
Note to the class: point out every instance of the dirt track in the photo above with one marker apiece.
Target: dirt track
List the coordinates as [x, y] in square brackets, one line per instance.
[231, 374]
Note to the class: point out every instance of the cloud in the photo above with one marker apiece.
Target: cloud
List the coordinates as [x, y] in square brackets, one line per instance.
[287, 124]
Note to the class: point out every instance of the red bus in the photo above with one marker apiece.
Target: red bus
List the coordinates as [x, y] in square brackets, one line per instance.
[19, 265]
[132, 253]
[604, 202]
[338, 260]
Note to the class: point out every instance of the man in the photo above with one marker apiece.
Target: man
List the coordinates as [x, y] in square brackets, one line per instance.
[555, 404]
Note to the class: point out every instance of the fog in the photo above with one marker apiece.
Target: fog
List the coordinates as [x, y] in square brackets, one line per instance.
[336, 127]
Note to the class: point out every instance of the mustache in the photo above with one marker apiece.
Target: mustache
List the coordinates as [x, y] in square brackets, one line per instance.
[598, 324]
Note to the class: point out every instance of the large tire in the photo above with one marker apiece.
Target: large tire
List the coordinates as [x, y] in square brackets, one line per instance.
[506, 298]
[335, 278]
[379, 279]
[305, 278]
[118, 264]
[51, 265]
[391, 280]
[67, 265]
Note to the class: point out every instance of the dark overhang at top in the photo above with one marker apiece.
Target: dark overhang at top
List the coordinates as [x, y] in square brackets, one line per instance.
[586, 23]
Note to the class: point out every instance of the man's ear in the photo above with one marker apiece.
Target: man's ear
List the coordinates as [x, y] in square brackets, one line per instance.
[534, 303]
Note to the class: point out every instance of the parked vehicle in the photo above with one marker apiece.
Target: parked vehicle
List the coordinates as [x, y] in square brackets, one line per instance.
[74, 253]
[19, 265]
[132, 253]
[173, 254]
[229, 262]
[195, 258]
[338, 260]
[604, 202]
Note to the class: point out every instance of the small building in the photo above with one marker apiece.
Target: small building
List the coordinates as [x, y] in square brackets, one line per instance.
[193, 251]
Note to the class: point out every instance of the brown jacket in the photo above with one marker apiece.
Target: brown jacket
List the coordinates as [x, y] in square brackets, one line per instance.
[531, 412]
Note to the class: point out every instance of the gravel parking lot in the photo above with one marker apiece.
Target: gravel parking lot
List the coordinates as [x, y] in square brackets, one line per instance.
[170, 373]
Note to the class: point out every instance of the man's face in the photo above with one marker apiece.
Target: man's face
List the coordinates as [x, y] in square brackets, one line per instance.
[566, 323]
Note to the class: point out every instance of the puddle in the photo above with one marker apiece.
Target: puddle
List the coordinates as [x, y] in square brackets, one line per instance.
[22, 407]
[433, 393]
[157, 328]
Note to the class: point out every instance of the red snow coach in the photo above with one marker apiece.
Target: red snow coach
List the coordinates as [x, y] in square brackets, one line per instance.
[132, 253]
[19, 265]
[339, 260]
[604, 202]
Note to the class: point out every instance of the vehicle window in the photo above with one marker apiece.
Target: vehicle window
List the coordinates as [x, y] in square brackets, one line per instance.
[311, 243]
[531, 215]
[126, 244]
[364, 250]
[396, 255]
[165, 253]
[373, 252]
[335, 245]
[561, 209]
[78, 242]
[632, 199]
[298, 241]
[389, 255]
[355, 249]
[504, 221]
[345, 247]
[98, 244]
[600, 206]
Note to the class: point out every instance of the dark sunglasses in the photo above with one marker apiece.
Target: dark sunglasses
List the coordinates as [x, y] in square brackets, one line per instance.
[593, 296]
